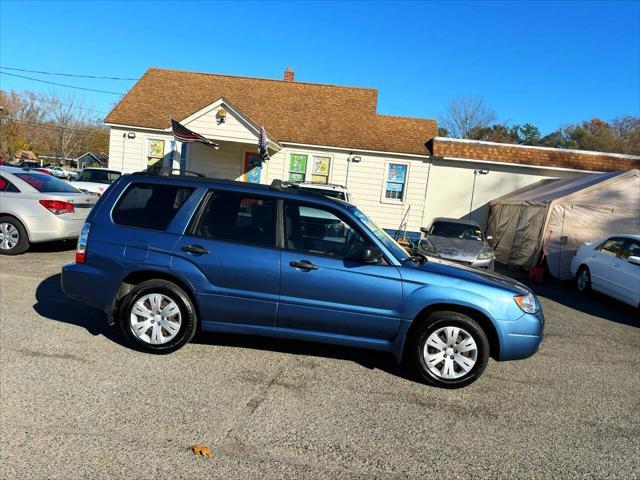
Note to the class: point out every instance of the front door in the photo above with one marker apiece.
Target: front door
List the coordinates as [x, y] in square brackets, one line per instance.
[233, 245]
[602, 266]
[325, 287]
[252, 167]
[628, 274]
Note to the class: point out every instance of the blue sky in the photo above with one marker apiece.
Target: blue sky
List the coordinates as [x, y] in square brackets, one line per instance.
[548, 63]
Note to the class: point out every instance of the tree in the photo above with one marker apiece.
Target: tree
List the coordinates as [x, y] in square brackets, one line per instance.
[464, 115]
[495, 133]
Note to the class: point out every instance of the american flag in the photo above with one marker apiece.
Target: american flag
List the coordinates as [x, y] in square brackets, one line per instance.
[262, 145]
[183, 134]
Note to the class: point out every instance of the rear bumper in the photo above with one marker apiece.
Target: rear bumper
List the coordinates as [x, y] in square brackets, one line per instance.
[88, 285]
[52, 227]
[521, 338]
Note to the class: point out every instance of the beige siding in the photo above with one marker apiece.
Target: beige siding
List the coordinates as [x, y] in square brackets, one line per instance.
[233, 129]
[135, 149]
[227, 162]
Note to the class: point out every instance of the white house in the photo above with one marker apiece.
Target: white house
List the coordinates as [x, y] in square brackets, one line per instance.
[396, 168]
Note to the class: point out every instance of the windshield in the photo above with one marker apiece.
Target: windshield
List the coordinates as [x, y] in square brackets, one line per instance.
[45, 183]
[456, 230]
[393, 246]
[98, 176]
[327, 193]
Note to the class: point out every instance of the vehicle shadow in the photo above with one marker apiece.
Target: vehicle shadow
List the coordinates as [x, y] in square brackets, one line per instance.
[369, 359]
[52, 303]
[592, 303]
[55, 246]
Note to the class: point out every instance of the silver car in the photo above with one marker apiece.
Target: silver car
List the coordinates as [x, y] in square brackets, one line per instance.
[36, 207]
[459, 241]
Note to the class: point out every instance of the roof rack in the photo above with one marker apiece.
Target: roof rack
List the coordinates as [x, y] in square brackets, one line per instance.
[168, 172]
[278, 184]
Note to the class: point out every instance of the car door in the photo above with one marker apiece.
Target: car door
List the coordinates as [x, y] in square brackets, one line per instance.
[601, 266]
[325, 286]
[627, 274]
[232, 242]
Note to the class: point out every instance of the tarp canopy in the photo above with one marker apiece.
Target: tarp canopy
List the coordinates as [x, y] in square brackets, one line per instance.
[566, 213]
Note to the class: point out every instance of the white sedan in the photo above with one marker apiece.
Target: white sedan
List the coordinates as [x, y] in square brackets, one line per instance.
[610, 266]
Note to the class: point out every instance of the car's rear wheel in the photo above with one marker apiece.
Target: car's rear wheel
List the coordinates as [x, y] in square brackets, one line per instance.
[13, 237]
[157, 316]
[583, 280]
[449, 350]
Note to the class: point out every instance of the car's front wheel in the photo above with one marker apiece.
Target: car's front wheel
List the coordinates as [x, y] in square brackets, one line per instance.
[157, 316]
[449, 350]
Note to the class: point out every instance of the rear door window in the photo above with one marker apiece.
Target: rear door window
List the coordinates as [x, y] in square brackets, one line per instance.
[239, 218]
[46, 183]
[150, 206]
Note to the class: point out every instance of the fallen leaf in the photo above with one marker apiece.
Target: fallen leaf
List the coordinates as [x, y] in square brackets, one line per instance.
[198, 448]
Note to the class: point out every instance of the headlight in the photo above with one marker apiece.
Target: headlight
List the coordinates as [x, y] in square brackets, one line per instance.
[485, 255]
[527, 303]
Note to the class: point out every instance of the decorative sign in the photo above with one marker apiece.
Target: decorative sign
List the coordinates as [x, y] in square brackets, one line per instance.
[156, 148]
[321, 165]
[397, 173]
[298, 163]
[252, 167]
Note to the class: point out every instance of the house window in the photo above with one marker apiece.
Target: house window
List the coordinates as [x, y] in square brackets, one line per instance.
[155, 154]
[297, 167]
[320, 170]
[396, 181]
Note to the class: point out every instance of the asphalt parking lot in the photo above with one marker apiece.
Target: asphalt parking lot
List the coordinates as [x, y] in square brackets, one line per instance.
[78, 403]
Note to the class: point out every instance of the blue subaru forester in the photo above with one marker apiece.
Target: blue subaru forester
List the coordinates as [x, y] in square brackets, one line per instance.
[164, 255]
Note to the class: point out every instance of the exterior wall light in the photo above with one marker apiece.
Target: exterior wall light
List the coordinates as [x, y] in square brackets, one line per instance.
[131, 135]
[222, 115]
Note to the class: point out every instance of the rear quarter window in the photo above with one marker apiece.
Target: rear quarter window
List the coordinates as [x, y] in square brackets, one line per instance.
[150, 206]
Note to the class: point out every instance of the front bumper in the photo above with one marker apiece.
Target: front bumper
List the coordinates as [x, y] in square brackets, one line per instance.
[521, 338]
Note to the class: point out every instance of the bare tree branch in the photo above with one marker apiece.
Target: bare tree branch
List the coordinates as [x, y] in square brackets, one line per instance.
[464, 115]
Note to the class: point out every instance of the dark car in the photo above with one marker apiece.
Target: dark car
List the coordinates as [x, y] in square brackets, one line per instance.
[459, 241]
[165, 256]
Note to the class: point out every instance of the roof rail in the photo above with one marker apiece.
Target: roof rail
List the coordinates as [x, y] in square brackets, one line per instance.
[278, 184]
[168, 172]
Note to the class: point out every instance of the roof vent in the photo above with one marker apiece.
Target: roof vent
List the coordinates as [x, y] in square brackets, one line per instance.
[288, 75]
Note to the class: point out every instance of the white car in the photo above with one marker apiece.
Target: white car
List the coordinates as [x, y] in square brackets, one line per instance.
[60, 172]
[36, 207]
[95, 180]
[611, 266]
[328, 190]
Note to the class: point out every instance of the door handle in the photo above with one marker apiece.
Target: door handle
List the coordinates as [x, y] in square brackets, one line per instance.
[197, 249]
[304, 265]
[616, 265]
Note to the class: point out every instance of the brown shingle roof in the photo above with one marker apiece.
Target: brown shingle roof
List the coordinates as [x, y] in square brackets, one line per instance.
[294, 112]
[542, 156]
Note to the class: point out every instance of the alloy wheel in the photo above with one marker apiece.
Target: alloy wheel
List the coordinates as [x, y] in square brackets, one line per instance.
[9, 236]
[450, 353]
[155, 319]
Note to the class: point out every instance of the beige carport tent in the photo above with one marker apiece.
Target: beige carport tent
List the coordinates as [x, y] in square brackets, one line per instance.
[569, 212]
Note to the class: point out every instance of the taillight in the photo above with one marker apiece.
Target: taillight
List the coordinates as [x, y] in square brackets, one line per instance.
[81, 250]
[57, 207]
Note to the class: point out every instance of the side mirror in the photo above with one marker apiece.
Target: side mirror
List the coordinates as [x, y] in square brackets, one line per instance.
[371, 255]
[634, 260]
[424, 229]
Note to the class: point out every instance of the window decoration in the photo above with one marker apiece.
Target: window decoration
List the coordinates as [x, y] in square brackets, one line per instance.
[297, 167]
[320, 170]
[396, 179]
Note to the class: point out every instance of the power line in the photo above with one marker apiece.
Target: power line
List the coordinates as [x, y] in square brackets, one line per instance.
[56, 127]
[68, 74]
[64, 104]
[61, 84]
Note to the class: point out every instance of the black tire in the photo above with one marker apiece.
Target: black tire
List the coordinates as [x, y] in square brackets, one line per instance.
[434, 322]
[22, 244]
[188, 324]
[583, 285]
